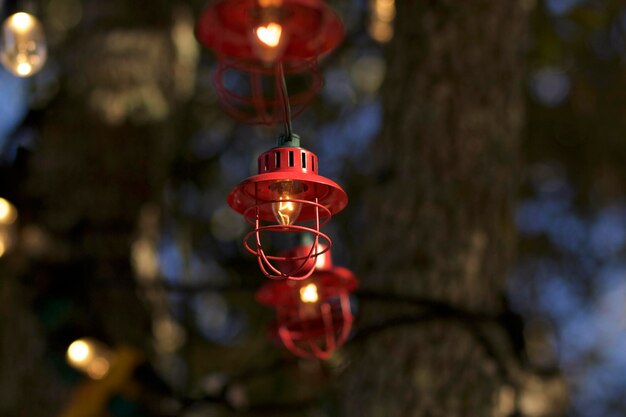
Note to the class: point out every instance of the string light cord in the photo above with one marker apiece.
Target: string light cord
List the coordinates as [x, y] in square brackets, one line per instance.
[284, 99]
[471, 323]
[476, 323]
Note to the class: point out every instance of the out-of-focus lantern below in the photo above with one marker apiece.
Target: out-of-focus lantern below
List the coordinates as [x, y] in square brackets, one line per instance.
[314, 316]
[90, 357]
[23, 48]
[258, 42]
[287, 196]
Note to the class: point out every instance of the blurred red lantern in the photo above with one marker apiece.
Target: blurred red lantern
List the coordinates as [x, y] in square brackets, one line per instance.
[269, 30]
[262, 44]
[287, 196]
[313, 315]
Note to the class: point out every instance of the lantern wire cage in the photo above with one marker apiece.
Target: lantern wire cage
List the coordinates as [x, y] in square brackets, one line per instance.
[317, 199]
[301, 266]
[255, 94]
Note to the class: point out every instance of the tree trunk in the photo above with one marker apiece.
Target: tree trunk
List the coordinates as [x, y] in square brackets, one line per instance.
[439, 217]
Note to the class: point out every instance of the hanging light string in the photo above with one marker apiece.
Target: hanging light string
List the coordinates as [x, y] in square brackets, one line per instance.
[284, 99]
[436, 311]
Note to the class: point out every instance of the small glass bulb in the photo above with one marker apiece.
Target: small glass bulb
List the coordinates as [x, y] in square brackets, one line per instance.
[23, 49]
[308, 294]
[269, 34]
[285, 210]
[90, 357]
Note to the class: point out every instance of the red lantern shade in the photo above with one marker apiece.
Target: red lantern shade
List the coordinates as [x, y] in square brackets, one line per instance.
[314, 315]
[269, 30]
[287, 196]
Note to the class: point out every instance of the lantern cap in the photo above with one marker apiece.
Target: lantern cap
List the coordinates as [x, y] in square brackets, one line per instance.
[288, 141]
[283, 164]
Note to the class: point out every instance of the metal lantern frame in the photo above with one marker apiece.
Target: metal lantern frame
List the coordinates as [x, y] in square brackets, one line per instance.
[318, 328]
[249, 100]
[320, 199]
[311, 28]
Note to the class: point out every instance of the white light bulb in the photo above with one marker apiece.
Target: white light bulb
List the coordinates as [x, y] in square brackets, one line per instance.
[23, 49]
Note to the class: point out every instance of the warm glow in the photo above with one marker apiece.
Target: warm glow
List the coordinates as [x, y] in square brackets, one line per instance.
[385, 10]
[21, 21]
[270, 34]
[320, 260]
[8, 214]
[285, 210]
[24, 69]
[23, 47]
[308, 294]
[382, 15]
[98, 368]
[90, 357]
[270, 3]
[5, 241]
[79, 352]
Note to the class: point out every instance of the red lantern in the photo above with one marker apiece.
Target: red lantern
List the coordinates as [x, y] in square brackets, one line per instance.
[287, 196]
[270, 30]
[258, 42]
[314, 315]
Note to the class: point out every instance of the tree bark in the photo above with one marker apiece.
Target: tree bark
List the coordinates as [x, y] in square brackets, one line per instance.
[439, 214]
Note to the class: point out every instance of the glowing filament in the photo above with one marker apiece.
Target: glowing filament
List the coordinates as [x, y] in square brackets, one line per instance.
[285, 210]
[308, 294]
[270, 34]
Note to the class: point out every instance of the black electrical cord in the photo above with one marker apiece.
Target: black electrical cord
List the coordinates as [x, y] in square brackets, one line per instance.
[284, 98]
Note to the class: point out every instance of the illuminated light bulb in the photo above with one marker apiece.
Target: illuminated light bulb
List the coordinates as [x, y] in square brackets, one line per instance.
[90, 357]
[308, 294]
[285, 210]
[270, 3]
[270, 34]
[79, 352]
[23, 49]
[8, 214]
